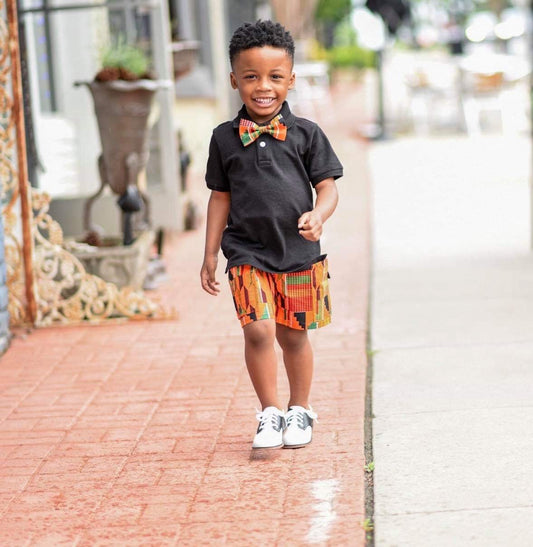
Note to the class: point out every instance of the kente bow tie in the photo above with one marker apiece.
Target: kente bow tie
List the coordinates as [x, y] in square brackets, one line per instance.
[250, 131]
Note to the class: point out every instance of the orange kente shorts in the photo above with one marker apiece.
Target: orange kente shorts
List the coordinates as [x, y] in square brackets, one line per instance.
[299, 300]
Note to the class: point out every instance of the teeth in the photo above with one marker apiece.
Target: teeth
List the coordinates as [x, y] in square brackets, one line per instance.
[263, 101]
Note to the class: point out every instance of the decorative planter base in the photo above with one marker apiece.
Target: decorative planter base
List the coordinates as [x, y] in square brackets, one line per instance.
[125, 266]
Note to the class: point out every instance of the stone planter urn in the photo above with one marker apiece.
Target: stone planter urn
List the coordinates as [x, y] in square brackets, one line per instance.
[122, 111]
[184, 56]
[123, 265]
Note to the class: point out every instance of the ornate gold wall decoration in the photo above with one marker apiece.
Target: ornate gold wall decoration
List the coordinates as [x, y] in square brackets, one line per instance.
[66, 292]
[47, 285]
[15, 270]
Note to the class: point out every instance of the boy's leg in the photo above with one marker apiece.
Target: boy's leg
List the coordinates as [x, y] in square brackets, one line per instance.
[261, 360]
[298, 359]
[254, 303]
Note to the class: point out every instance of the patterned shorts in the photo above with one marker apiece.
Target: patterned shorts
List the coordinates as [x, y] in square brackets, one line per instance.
[299, 300]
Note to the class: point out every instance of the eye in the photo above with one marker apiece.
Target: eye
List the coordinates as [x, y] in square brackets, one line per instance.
[277, 77]
[249, 77]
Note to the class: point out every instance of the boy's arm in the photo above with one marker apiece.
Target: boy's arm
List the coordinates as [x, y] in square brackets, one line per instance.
[310, 224]
[217, 217]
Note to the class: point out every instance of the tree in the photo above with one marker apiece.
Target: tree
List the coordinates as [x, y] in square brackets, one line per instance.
[329, 14]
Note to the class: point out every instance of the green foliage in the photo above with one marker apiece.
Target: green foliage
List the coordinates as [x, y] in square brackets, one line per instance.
[369, 467]
[344, 53]
[345, 56]
[333, 11]
[128, 57]
[351, 56]
[345, 34]
[368, 525]
[329, 14]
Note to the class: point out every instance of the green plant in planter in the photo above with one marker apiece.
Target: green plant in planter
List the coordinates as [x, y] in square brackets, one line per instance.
[123, 61]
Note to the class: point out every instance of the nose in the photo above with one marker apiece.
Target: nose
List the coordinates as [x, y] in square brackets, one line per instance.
[263, 84]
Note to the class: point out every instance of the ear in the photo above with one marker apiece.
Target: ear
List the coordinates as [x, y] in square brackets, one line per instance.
[233, 80]
[292, 81]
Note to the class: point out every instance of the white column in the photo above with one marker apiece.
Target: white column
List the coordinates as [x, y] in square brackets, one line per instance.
[219, 48]
[166, 201]
[186, 20]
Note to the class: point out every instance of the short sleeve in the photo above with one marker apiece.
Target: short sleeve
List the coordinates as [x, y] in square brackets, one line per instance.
[215, 175]
[322, 162]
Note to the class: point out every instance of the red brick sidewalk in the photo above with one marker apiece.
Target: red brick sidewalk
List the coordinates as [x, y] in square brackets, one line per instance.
[140, 433]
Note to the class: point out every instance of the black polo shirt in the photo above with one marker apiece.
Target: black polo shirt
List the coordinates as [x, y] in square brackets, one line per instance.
[271, 184]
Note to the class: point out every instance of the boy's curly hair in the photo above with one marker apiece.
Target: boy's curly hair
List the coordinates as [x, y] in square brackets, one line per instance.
[260, 34]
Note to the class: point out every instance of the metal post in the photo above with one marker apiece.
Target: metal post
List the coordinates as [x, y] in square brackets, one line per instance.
[49, 57]
[22, 166]
[381, 95]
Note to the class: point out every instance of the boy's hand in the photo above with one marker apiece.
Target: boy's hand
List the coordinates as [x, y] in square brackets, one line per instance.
[207, 276]
[310, 225]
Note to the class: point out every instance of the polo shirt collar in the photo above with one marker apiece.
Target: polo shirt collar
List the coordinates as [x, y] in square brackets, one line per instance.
[288, 116]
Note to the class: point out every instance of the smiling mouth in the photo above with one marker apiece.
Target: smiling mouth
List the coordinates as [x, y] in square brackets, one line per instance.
[264, 101]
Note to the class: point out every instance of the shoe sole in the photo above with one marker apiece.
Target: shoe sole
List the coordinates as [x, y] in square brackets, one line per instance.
[267, 447]
[296, 445]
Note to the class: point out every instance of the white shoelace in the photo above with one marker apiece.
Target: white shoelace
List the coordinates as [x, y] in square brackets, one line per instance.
[264, 417]
[299, 414]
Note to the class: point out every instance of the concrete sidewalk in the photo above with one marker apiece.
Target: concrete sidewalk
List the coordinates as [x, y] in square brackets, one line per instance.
[452, 317]
[140, 433]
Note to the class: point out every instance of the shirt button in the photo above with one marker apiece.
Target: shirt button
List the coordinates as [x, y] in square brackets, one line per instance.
[262, 144]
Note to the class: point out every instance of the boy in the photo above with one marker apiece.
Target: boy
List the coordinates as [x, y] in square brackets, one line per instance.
[261, 170]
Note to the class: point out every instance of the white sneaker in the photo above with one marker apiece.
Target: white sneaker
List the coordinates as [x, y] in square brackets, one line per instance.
[270, 430]
[299, 430]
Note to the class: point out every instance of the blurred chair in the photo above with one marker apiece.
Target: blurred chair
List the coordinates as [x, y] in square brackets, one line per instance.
[497, 86]
[433, 96]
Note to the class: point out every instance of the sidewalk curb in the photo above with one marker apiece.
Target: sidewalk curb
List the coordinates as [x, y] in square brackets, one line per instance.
[369, 414]
[368, 438]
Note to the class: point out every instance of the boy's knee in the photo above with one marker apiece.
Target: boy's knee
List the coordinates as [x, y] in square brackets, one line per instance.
[291, 339]
[260, 332]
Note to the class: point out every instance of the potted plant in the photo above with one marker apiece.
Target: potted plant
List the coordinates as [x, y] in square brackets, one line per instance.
[123, 91]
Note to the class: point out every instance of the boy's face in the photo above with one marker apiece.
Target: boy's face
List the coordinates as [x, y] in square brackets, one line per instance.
[263, 76]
